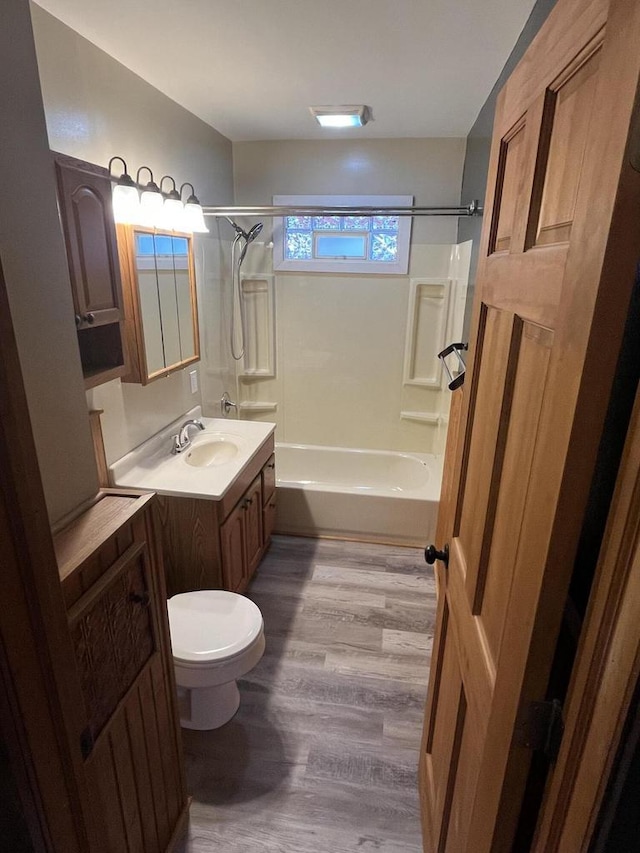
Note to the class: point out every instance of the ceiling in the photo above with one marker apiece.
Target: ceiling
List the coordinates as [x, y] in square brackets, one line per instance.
[251, 68]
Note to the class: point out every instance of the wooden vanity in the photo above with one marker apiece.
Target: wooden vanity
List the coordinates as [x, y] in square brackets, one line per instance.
[213, 544]
[111, 571]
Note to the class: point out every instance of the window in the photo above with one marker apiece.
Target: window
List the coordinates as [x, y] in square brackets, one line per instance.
[347, 244]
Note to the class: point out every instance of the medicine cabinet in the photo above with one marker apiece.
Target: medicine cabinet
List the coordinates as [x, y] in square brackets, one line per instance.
[84, 196]
[158, 280]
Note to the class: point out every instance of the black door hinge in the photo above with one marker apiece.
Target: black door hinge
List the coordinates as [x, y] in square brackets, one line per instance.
[541, 727]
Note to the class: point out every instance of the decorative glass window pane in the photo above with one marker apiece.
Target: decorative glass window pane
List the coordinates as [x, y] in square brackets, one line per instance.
[356, 223]
[341, 246]
[384, 247]
[326, 223]
[298, 246]
[298, 222]
[385, 223]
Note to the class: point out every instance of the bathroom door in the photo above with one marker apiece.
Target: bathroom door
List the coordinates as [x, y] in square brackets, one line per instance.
[561, 238]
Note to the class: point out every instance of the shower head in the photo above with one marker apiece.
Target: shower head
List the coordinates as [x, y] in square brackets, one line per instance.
[249, 235]
[254, 231]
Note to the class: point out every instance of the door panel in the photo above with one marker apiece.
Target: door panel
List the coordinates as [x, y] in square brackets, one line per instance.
[548, 318]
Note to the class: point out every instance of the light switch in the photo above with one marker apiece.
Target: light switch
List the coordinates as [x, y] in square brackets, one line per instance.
[193, 378]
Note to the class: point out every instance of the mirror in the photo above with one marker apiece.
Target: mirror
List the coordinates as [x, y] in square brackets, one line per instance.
[164, 320]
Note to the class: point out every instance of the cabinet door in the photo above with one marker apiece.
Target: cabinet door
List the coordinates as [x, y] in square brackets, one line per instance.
[233, 550]
[253, 526]
[87, 219]
[268, 520]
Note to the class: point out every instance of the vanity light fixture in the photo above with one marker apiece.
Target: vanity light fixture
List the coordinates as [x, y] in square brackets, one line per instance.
[193, 215]
[345, 115]
[151, 200]
[173, 215]
[126, 199]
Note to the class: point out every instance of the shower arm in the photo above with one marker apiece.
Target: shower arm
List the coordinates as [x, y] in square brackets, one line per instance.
[471, 209]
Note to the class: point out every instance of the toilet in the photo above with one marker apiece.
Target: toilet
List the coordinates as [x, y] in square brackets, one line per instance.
[217, 637]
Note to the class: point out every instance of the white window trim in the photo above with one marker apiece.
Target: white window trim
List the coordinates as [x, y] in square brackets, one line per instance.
[398, 267]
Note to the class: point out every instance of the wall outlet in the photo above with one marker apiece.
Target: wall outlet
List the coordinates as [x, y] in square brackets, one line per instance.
[193, 379]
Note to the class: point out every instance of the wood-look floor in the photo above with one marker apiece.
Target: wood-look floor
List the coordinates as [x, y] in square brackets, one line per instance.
[322, 755]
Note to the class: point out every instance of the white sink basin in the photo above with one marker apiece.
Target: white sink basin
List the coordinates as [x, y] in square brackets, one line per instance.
[217, 456]
[216, 450]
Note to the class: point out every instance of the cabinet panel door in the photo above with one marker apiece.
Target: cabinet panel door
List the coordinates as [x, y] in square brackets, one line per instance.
[253, 526]
[133, 770]
[87, 218]
[113, 634]
[268, 520]
[233, 550]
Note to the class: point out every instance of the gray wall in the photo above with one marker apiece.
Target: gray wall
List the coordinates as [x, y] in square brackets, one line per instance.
[37, 277]
[476, 164]
[96, 108]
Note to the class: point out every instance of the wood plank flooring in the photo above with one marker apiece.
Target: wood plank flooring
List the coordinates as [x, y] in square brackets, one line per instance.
[322, 755]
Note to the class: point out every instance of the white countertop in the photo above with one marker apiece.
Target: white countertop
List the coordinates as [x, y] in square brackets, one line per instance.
[152, 466]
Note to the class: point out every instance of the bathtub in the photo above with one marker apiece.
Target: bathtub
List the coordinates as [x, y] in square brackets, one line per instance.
[367, 495]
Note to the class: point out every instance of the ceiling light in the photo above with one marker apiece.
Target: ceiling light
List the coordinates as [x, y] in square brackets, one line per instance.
[126, 200]
[351, 115]
[193, 215]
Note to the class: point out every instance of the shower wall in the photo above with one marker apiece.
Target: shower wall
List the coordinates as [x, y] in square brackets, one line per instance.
[349, 360]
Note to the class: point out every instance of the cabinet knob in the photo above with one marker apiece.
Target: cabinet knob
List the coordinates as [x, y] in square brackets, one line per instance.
[141, 598]
[272, 504]
[271, 465]
[90, 318]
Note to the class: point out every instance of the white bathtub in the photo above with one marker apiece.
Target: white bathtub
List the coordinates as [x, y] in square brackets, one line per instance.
[368, 495]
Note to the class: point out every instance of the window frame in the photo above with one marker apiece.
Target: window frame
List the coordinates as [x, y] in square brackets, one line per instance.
[349, 265]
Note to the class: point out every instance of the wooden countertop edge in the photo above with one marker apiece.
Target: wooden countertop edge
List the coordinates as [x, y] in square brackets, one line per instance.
[78, 535]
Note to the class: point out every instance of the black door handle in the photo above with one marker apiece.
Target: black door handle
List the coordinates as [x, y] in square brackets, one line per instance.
[431, 555]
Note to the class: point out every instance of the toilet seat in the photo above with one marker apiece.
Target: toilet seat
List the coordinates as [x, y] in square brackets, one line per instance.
[211, 627]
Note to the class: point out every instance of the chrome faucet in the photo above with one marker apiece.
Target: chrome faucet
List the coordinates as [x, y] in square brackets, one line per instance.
[181, 440]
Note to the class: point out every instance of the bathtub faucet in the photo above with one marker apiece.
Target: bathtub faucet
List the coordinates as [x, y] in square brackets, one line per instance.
[181, 441]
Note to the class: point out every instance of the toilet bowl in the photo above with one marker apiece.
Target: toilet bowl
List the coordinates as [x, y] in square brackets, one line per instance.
[216, 637]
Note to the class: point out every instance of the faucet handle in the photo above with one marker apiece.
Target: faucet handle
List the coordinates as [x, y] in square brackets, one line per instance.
[226, 403]
[176, 447]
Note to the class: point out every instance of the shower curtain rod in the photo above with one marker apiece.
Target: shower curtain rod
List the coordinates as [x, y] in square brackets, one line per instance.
[472, 209]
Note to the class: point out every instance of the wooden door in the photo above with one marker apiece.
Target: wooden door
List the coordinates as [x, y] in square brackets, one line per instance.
[558, 253]
[84, 192]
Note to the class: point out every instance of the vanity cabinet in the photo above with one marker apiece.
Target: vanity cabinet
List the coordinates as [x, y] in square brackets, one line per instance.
[218, 544]
[112, 579]
[84, 196]
[242, 539]
[161, 311]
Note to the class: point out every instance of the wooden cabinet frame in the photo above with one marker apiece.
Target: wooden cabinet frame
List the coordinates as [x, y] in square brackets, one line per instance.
[134, 325]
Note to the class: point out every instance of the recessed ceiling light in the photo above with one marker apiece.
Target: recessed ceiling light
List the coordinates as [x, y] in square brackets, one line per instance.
[350, 115]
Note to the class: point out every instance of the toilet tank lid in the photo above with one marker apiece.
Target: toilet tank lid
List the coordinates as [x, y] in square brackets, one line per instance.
[212, 624]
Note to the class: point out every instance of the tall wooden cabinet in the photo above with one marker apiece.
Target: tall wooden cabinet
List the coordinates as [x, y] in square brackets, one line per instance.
[112, 578]
[84, 195]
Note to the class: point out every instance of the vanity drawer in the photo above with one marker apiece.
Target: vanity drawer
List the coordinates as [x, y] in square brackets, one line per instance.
[113, 634]
[269, 479]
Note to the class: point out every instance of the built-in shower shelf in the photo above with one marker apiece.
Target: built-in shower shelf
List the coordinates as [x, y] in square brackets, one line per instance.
[259, 360]
[258, 407]
[423, 417]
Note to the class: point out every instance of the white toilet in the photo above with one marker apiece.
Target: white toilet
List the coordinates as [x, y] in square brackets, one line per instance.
[217, 637]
